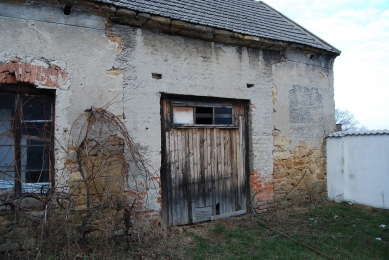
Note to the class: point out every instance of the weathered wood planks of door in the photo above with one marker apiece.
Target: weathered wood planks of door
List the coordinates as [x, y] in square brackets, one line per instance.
[203, 169]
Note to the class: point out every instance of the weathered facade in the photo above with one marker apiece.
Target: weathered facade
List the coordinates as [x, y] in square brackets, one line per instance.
[227, 120]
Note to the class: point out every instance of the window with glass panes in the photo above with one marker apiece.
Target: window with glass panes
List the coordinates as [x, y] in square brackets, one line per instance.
[200, 113]
[26, 140]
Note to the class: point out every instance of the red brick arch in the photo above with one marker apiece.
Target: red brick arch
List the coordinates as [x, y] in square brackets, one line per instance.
[15, 71]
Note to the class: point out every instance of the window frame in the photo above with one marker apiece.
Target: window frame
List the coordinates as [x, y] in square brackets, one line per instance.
[202, 104]
[20, 90]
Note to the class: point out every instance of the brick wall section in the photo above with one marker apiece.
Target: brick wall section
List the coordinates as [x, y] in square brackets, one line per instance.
[141, 211]
[262, 188]
[16, 71]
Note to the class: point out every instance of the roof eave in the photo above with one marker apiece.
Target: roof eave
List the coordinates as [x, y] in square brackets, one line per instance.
[334, 50]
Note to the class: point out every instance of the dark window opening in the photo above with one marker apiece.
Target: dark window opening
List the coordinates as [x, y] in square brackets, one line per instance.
[67, 10]
[26, 141]
[204, 115]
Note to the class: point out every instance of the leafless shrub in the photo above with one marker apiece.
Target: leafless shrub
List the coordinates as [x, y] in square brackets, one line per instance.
[94, 202]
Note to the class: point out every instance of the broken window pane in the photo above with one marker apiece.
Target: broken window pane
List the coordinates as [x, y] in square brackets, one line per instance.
[200, 113]
[204, 115]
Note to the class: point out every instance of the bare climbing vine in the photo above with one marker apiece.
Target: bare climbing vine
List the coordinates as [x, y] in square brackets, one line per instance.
[96, 198]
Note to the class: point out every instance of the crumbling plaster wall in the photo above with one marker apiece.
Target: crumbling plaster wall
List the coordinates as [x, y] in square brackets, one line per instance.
[303, 115]
[286, 87]
[198, 68]
[115, 63]
[77, 44]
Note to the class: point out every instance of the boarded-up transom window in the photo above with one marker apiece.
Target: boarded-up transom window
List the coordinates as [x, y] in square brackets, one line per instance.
[183, 115]
[199, 113]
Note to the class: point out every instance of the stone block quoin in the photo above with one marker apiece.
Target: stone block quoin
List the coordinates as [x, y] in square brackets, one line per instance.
[46, 77]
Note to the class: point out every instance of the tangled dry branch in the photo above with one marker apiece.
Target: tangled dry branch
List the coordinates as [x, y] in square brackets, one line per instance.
[96, 197]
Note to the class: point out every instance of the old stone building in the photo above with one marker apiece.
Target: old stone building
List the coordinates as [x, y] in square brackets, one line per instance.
[223, 105]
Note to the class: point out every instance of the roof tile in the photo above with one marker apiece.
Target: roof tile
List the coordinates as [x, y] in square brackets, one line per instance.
[249, 17]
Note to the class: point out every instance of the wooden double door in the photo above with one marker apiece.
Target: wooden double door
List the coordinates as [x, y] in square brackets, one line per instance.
[204, 174]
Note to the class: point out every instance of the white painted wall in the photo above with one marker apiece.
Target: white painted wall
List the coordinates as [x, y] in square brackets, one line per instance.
[358, 169]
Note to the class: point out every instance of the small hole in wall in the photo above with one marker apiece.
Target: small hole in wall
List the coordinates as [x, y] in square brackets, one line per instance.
[311, 56]
[67, 10]
[250, 85]
[156, 76]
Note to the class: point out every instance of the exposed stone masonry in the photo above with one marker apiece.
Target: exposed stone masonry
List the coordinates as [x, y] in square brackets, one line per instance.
[299, 175]
[98, 200]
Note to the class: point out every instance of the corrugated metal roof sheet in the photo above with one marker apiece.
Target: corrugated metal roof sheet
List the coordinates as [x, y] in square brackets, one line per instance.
[248, 17]
[372, 132]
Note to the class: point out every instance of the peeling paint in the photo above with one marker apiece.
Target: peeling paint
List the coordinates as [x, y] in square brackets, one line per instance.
[114, 72]
[274, 93]
[116, 39]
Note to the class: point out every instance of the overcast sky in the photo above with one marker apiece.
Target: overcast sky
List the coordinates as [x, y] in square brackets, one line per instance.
[360, 30]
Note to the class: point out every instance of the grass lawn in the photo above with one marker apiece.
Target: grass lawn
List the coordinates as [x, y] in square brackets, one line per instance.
[315, 231]
[320, 231]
